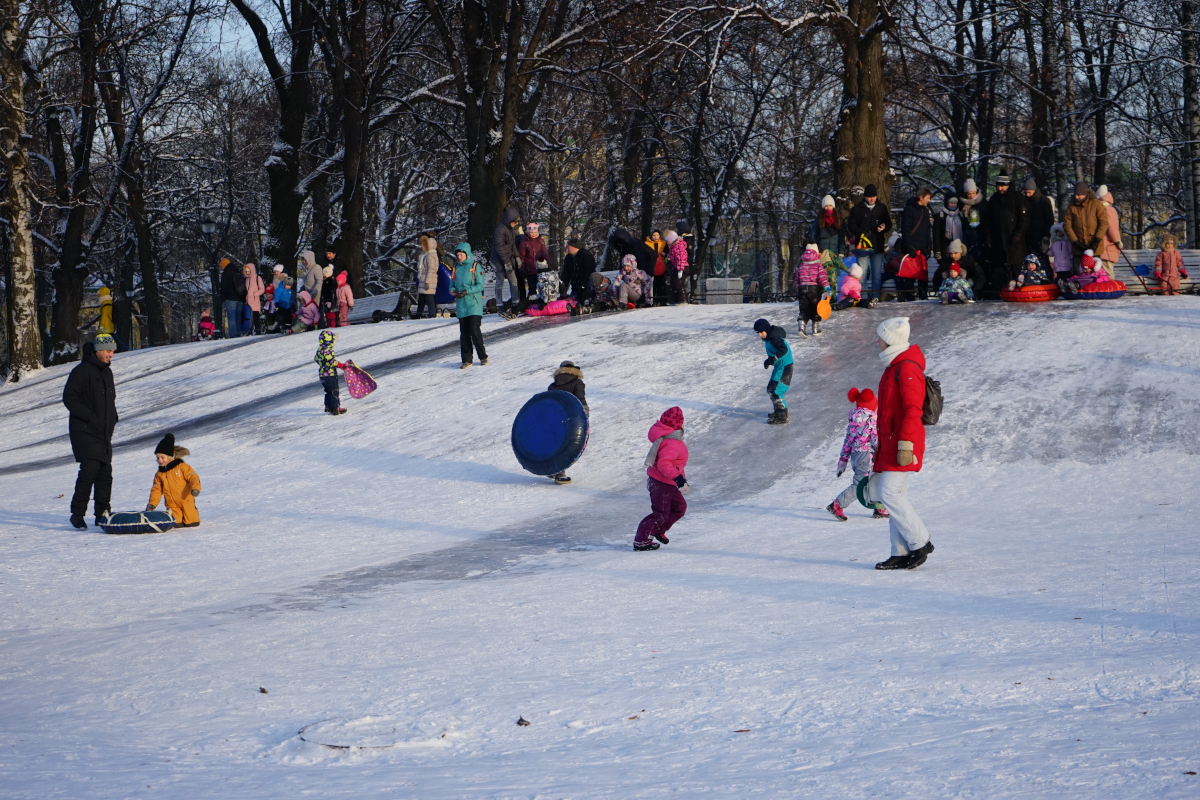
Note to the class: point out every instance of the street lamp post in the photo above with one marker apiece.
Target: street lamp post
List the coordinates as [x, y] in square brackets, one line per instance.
[208, 228]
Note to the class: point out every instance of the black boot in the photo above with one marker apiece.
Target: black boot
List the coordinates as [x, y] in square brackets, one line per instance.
[78, 522]
[915, 559]
[662, 537]
[646, 546]
[781, 417]
[895, 562]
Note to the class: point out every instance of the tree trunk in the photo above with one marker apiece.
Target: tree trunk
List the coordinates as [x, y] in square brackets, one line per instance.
[1052, 88]
[73, 183]
[860, 148]
[347, 60]
[1039, 122]
[1191, 122]
[135, 204]
[294, 90]
[1074, 150]
[24, 338]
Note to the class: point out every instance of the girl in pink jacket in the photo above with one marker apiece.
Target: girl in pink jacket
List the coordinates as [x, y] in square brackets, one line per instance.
[345, 299]
[665, 467]
[1168, 266]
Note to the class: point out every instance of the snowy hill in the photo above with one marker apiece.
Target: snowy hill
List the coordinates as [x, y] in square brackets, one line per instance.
[403, 589]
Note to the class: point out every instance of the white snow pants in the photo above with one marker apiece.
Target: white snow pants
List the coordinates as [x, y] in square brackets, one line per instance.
[908, 531]
[860, 462]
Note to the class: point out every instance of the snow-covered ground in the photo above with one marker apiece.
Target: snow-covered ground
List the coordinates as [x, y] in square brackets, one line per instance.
[404, 592]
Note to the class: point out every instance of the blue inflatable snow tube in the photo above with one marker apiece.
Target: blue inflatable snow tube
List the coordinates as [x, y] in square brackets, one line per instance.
[550, 432]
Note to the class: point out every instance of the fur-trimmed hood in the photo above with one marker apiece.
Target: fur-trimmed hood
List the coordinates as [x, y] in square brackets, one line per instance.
[569, 371]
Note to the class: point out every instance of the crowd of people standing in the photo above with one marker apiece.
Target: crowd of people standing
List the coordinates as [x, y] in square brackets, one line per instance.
[321, 296]
[981, 244]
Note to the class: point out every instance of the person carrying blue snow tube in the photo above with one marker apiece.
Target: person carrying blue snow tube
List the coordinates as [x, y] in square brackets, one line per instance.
[779, 356]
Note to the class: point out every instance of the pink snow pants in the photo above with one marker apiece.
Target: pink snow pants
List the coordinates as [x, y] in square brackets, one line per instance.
[667, 507]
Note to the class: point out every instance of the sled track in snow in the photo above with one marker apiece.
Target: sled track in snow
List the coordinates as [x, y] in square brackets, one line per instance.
[144, 373]
[733, 460]
[216, 420]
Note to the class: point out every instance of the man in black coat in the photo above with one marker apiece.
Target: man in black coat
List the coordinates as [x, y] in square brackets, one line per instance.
[867, 228]
[577, 271]
[1041, 215]
[916, 231]
[91, 397]
[233, 292]
[626, 243]
[1010, 221]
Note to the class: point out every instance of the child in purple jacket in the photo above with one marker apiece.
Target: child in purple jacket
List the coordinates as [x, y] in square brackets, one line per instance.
[858, 450]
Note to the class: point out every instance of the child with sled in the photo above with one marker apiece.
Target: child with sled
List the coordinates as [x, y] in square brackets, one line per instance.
[779, 356]
[955, 288]
[569, 378]
[665, 479]
[207, 328]
[858, 450]
[175, 483]
[811, 282]
[1031, 274]
[1090, 271]
[327, 367]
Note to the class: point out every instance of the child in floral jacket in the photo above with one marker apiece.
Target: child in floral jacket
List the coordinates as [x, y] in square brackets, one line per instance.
[955, 288]
[327, 367]
[858, 450]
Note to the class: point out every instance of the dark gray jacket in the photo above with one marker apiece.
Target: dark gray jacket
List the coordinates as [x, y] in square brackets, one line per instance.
[504, 240]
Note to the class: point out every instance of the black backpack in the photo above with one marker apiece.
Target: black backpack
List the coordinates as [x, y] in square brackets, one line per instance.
[931, 409]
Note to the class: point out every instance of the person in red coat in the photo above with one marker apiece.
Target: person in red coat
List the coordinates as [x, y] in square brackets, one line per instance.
[901, 397]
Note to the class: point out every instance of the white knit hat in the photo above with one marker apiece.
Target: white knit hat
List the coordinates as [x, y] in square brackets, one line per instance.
[893, 331]
[827, 201]
[969, 185]
[672, 236]
[957, 246]
[279, 267]
[813, 246]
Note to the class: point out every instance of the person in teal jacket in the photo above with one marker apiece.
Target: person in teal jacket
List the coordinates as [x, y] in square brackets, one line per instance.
[467, 288]
[779, 356]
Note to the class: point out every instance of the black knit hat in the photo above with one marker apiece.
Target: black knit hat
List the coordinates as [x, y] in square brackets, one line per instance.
[166, 446]
[870, 191]
[575, 242]
[761, 325]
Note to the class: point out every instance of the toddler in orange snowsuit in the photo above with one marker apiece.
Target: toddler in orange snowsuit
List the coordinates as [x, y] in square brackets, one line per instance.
[175, 483]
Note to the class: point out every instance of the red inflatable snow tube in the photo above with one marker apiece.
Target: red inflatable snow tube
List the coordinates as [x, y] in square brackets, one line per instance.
[1030, 294]
[1103, 290]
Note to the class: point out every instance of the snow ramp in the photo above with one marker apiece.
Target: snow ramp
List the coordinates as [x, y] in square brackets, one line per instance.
[403, 591]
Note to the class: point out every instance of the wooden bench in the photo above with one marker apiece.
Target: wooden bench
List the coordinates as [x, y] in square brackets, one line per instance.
[364, 307]
[1143, 262]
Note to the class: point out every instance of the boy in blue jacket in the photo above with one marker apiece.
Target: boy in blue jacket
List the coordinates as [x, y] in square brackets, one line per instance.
[779, 356]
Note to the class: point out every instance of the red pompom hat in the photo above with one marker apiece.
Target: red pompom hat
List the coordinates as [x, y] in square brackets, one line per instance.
[864, 399]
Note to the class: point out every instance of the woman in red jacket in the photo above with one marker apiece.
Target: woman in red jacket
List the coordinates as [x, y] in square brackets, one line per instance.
[901, 443]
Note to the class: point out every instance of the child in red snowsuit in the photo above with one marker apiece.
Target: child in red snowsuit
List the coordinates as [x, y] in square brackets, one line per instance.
[665, 466]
